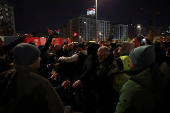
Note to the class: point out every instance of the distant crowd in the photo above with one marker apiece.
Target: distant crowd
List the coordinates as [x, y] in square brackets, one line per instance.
[124, 77]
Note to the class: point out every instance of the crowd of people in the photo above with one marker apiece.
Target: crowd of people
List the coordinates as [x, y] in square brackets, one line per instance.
[126, 77]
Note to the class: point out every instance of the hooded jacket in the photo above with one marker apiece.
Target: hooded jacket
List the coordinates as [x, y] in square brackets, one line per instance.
[143, 92]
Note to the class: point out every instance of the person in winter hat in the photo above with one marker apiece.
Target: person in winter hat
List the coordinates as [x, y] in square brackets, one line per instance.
[33, 92]
[123, 64]
[143, 92]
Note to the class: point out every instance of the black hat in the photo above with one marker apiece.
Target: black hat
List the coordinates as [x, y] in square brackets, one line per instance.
[113, 45]
[81, 45]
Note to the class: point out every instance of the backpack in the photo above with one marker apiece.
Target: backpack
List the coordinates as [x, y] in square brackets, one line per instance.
[7, 90]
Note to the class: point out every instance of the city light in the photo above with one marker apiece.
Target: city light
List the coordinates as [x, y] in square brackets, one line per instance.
[84, 22]
[75, 34]
[138, 26]
[163, 38]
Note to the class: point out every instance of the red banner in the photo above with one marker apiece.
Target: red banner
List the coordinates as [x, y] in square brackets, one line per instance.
[41, 41]
[33, 39]
[60, 41]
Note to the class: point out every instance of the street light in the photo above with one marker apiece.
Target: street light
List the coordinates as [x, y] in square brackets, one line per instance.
[96, 21]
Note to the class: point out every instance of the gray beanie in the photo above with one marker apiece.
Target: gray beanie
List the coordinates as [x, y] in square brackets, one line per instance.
[143, 56]
[126, 48]
[25, 54]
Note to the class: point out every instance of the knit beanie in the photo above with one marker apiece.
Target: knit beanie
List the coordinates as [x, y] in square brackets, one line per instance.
[142, 56]
[25, 54]
[126, 48]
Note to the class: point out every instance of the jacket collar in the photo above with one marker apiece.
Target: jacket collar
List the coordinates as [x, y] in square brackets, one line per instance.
[25, 68]
[149, 77]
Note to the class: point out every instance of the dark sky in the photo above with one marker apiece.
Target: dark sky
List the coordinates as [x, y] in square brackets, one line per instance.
[38, 15]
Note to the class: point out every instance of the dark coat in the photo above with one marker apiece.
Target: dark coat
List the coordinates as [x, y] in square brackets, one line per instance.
[43, 71]
[89, 70]
[4, 66]
[104, 86]
[35, 93]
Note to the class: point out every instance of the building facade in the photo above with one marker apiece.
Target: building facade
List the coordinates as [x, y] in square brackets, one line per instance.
[7, 15]
[85, 27]
[65, 31]
[120, 31]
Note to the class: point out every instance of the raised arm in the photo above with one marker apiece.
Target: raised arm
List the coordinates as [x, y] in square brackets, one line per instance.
[48, 43]
[11, 45]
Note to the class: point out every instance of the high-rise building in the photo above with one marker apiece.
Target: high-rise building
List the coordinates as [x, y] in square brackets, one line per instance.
[119, 31]
[85, 28]
[7, 15]
[142, 30]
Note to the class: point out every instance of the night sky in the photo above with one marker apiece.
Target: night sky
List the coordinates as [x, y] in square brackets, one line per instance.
[38, 15]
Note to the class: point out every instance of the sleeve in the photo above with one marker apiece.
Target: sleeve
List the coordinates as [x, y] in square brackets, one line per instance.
[69, 59]
[59, 89]
[47, 45]
[11, 45]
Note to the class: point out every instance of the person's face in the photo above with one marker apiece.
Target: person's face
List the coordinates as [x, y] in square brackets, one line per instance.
[100, 44]
[4, 56]
[111, 48]
[51, 48]
[115, 54]
[70, 47]
[101, 56]
[36, 64]
[57, 48]
[65, 47]
[132, 66]
[119, 49]
[135, 42]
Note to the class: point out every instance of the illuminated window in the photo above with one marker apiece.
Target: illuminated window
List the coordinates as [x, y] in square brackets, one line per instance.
[6, 9]
[7, 14]
[1, 17]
